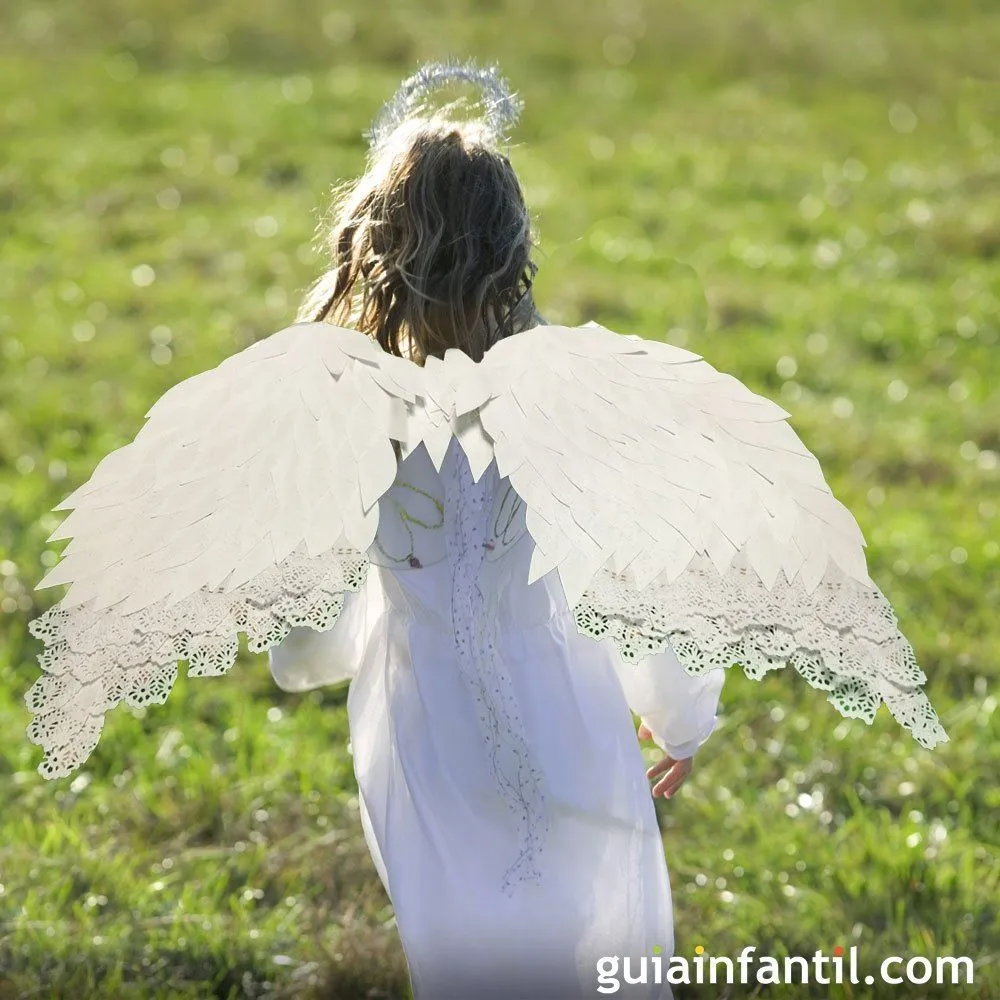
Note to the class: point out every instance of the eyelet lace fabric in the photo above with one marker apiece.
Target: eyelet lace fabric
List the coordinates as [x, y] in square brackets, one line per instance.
[93, 660]
[468, 507]
[842, 638]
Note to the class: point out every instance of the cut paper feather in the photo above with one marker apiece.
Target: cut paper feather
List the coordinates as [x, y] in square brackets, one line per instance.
[676, 506]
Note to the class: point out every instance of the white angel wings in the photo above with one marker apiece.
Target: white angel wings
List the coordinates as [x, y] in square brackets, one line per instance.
[676, 506]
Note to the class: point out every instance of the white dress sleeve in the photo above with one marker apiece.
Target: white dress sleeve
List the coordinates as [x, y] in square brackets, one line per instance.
[678, 708]
[306, 659]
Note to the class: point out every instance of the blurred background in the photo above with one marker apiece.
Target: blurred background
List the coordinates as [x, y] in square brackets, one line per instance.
[807, 193]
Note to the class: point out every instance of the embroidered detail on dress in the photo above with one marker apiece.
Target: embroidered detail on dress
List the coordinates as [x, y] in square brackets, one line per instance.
[408, 520]
[506, 521]
[475, 629]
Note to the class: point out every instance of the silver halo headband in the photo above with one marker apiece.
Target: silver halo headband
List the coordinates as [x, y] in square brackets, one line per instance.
[502, 107]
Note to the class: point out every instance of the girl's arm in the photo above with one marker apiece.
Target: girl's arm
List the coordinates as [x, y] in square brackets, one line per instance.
[677, 709]
[307, 659]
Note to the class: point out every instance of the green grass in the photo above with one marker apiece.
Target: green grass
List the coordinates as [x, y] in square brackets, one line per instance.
[806, 193]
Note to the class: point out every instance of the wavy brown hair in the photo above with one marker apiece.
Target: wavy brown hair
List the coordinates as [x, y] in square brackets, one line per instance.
[431, 246]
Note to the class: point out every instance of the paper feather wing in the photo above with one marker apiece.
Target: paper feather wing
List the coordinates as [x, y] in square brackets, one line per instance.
[245, 504]
[680, 508]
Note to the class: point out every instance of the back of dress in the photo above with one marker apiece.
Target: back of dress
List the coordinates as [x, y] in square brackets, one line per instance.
[452, 556]
[495, 753]
[494, 748]
[467, 539]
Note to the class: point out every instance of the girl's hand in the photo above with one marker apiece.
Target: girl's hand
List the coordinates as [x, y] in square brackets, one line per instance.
[674, 772]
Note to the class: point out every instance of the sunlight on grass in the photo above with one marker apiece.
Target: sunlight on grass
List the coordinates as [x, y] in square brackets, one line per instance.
[806, 193]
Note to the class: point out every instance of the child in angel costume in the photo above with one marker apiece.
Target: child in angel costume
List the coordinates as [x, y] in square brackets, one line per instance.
[507, 536]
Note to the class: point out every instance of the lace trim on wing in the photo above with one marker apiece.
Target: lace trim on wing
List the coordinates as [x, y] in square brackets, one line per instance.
[842, 638]
[95, 659]
[475, 630]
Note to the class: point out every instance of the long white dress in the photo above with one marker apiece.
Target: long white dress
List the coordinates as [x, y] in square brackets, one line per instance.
[503, 792]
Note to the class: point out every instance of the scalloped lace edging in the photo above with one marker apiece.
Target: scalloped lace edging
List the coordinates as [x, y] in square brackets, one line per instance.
[842, 638]
[93, 660]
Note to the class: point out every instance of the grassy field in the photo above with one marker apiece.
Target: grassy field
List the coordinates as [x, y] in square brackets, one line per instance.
[806, 193]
